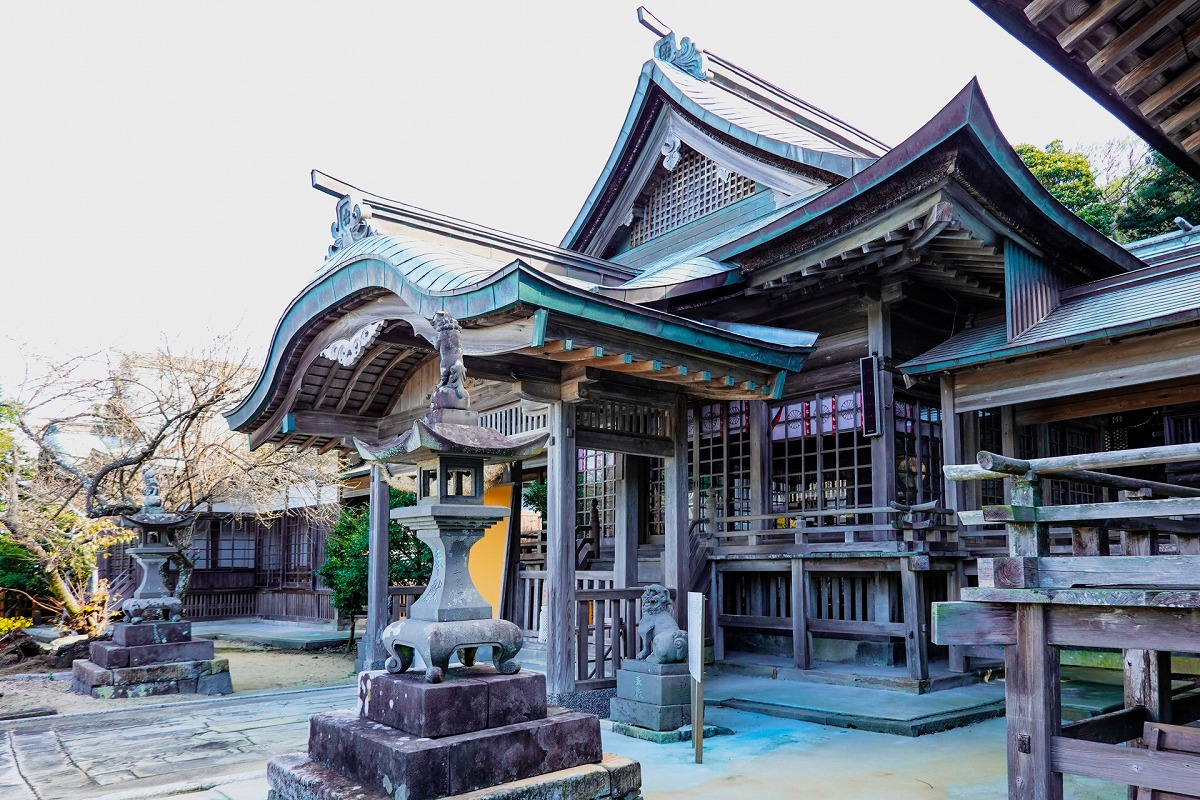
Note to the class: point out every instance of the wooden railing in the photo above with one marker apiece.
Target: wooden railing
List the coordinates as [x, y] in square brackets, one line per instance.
[912, 528]
[531, 594]
[605, 634]
[401, 598]
[1032, 603]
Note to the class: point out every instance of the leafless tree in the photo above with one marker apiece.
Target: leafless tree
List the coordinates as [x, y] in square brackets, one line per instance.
[90, 432]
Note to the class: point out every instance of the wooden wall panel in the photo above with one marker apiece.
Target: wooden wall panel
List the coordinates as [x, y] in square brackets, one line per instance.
[1094, 367]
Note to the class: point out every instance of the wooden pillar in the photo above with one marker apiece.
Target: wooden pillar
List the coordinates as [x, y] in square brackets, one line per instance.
[883, 447]
[759, 424]
[630, 487]
[801, 645]
[953, 491]
[677, 552]
[1031, 669]
[560, 549]
[371, 652]
[916, 612]
[1031, 696]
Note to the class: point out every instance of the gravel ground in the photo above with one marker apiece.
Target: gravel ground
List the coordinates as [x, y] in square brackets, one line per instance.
[30, 685]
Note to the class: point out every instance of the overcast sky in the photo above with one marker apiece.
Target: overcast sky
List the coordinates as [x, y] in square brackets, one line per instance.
[157, 155]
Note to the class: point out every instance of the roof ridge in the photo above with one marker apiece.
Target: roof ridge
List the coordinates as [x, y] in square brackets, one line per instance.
[788, 97]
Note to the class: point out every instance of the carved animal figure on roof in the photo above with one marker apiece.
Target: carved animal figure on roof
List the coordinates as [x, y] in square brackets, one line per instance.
[662, 640]
[451, 391]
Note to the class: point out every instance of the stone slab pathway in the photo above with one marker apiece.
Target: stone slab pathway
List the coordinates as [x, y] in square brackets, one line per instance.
[142, 751]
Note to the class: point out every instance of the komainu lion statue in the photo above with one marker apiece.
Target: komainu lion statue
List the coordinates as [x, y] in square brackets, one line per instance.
[663, 641]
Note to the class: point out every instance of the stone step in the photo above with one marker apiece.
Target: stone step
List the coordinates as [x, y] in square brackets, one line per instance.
[383, 758]
[295, 777]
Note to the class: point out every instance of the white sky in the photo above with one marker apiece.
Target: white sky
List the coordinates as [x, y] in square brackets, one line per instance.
[157, 155]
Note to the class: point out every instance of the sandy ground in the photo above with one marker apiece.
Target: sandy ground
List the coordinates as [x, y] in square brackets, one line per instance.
[254, 669]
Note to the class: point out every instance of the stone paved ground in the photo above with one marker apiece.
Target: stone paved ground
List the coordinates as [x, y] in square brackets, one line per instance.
[217, 750]
[135, 752]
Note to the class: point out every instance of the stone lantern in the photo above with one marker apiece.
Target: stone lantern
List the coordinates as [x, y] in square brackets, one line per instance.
[450, 450]
[151, 600]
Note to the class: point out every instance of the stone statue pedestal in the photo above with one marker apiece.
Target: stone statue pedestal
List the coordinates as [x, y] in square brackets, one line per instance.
[151, 658]
[476, 730]
[653, 696]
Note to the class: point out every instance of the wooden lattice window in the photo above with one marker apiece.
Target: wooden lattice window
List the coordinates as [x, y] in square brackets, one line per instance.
[819, 458]
[596, 480]
[622, 417]
[918, 452]
[719, 460]
[697, 186]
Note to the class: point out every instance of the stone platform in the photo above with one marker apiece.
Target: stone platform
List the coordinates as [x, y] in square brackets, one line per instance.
[151, 658]
[475, 734]
[652, 696]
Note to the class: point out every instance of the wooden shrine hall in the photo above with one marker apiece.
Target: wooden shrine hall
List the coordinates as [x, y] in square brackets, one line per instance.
[715, 349]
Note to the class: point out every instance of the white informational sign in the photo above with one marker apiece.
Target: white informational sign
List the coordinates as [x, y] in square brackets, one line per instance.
[696, 635]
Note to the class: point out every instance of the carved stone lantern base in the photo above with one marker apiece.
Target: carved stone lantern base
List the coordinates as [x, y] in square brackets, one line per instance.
[436, 641]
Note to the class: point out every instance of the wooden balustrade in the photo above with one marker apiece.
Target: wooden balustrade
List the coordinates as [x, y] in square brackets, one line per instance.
[531, 594]
[401, 598]
[605, 634]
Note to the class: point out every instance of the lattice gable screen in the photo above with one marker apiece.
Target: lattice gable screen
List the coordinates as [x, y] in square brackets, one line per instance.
[695, 187]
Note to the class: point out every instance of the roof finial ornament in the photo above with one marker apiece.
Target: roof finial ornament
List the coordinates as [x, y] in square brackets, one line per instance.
[350, 226]
[686, 56]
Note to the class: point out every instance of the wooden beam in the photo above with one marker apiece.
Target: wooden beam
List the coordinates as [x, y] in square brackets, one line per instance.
[623, 443]
[1074, 34]
[327, 423]
[1183, 83]
[1081, 571]
[1181, 119]
[1038, 10]
[973, 623]
[1114, 727]
[1136, 34]
[1171, 53]
[1158, 770]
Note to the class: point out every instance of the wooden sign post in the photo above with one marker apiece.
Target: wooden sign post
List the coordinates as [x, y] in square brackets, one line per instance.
[696, 668]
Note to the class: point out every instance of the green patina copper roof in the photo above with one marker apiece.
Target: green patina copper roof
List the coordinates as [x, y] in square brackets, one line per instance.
[429, 277]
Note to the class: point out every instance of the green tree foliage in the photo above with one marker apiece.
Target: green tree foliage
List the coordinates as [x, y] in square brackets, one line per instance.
[20, 571]
[1166, 192]
[345, 569]
[1069, 177]
[533, 497]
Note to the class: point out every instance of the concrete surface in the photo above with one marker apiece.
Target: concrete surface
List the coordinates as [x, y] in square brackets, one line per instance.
[218, 749]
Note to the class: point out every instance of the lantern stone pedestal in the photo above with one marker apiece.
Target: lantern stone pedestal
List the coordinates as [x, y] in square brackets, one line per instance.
[152, 658]
[477, 732]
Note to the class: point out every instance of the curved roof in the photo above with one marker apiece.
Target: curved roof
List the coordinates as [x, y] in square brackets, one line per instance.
[784, 130]
[489, 297]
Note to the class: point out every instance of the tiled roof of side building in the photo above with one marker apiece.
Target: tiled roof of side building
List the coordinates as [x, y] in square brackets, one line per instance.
[1161, 295]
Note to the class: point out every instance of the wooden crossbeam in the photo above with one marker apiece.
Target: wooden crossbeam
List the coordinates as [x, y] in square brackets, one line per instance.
[1165, 58]
[1177, 88]
[1089, 571]
[1038, 10]
[1137, 34]
[1182, 118]
[1074, 34]
[1149, 628]
[387, 369]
